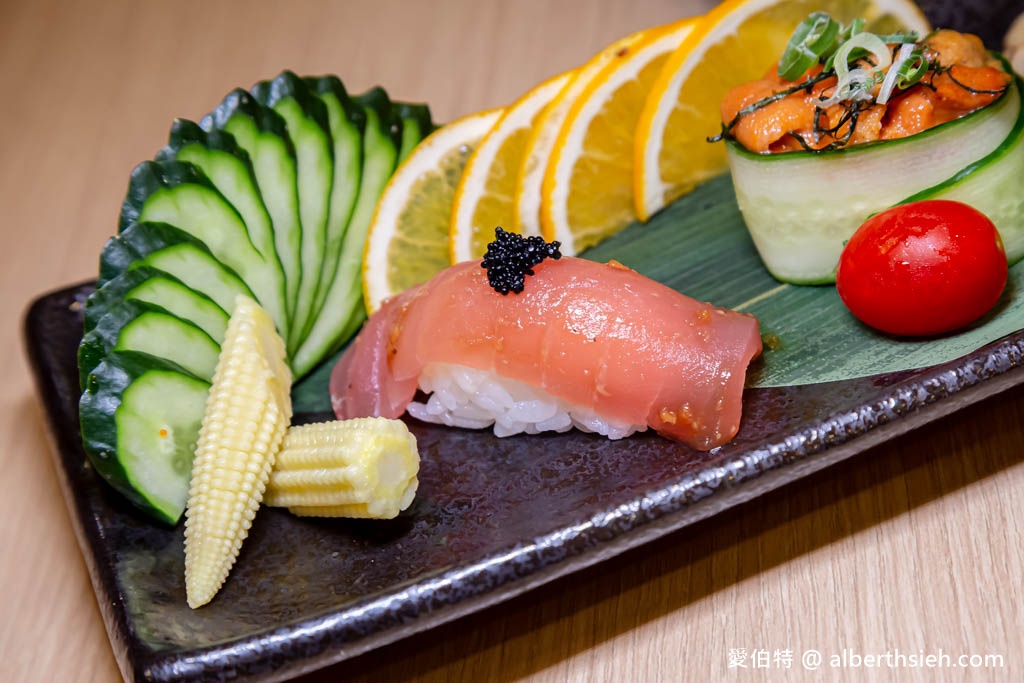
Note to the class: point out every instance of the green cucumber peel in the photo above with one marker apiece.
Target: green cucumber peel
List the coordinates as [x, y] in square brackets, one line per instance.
[179, 193]
[185, 133]
[240, 103]
[128, 286]
[382, 142]
[264, 134]
[151, 177]
[347, 122]
[416, 125]
[181, 341]
[229, 168]
[134, 468]
[992, 185]
[309, 129]
[171, 251]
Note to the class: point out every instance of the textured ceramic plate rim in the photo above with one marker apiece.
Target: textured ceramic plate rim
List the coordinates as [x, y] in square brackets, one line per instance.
[335, 636]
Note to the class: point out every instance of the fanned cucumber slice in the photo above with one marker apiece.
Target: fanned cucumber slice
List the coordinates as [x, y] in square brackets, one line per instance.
[140, 420]
[230, 170]
[347, 123]
[175, 252]
[262, 133]
[116, 257]
[416, 125]
[993, 186]
[178, 193]
[270, 196]
[156, 287]
[146, 328]
[343, 312]
[306, 118]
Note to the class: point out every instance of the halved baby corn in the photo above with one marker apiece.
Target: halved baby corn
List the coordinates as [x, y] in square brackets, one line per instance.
[247, 414]
[366, 467]
[356, 468]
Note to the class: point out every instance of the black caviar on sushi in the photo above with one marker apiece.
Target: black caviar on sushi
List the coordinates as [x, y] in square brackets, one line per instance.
[511, 257]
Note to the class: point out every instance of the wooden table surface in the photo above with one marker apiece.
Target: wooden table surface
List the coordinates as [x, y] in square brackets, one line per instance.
[915, 545]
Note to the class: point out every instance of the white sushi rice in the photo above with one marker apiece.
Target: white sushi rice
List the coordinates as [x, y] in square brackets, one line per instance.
[475, 399]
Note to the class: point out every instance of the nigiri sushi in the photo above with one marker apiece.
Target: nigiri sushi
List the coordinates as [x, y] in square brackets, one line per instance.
[582, 344]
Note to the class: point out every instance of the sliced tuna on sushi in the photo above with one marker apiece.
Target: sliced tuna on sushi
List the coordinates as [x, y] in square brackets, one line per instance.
[588, 345]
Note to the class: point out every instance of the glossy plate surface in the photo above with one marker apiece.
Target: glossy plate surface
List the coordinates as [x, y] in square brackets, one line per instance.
[493, 517]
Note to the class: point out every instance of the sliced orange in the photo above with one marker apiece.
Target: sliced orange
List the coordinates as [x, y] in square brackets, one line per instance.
[407, 242]
[542, 139]
[737, 41]
[486, 193]
[587, 193]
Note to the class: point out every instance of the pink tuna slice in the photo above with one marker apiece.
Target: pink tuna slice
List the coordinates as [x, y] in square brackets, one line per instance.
[596, 335]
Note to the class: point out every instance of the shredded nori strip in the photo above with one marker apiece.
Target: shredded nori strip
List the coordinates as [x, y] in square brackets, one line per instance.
[511, 257]
[764, 102]
[948, 70]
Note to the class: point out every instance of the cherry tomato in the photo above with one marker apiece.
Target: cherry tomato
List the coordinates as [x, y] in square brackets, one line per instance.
[922, 268]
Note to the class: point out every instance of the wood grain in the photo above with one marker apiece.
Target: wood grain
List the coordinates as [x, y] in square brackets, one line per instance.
[915, 545]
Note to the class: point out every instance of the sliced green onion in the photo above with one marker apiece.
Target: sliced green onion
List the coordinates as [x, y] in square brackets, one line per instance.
[891, 79]
[900, 37]
[856, 27]
[812, 38]
[857, 83]
[913, 70]
[866, 41]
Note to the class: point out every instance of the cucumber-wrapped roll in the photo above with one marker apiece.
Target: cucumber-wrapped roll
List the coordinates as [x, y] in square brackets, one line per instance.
[824, 143]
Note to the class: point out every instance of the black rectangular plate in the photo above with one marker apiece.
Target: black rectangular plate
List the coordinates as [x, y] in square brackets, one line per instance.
[493, 517]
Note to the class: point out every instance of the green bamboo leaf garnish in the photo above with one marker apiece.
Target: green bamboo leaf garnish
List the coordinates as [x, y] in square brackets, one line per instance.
[817, 338]
[699, 245]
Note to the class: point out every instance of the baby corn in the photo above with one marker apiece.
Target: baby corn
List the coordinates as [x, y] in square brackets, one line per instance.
[364, 467]
[246, 417]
